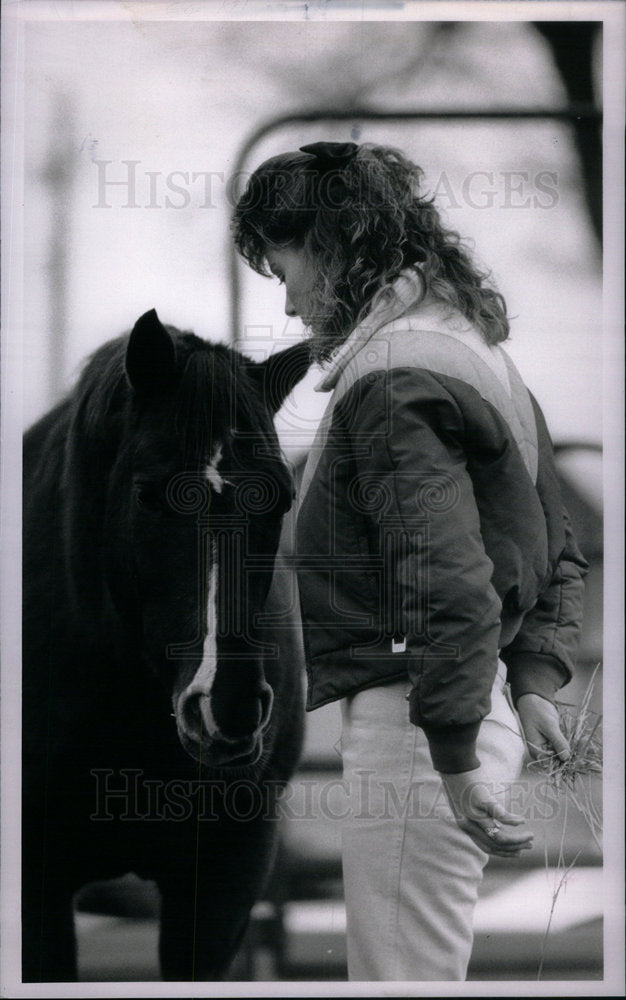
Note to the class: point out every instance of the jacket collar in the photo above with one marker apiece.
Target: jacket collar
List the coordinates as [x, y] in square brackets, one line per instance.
[395, 300]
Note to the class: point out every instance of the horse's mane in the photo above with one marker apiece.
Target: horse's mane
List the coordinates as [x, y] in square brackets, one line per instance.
[101, 394]
[214, 393]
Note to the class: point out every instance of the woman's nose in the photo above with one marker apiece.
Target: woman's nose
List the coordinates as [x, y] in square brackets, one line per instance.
[289, 306]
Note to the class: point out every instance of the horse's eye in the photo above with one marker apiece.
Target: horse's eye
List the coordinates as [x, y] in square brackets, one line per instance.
[148, 497]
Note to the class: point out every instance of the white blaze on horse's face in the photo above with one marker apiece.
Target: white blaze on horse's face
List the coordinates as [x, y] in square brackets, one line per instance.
[214, 478]
[198, 729]
[197, 695]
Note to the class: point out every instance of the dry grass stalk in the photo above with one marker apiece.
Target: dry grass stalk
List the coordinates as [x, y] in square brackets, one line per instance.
[582, 728]
[572, 779]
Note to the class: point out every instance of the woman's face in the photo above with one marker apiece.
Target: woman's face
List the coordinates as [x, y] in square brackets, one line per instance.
[294, 268]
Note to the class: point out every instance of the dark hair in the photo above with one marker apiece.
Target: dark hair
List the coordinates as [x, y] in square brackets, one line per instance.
[362, 223]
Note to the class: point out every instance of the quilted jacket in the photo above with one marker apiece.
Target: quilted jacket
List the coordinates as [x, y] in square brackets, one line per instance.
[431, 536]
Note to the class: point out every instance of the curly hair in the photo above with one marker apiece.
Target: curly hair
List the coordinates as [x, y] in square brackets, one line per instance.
[361, 224]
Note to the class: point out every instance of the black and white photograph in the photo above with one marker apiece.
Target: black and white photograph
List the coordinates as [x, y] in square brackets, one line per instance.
[312, 455]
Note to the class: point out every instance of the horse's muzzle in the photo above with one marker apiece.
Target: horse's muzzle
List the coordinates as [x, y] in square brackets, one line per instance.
[218, 738]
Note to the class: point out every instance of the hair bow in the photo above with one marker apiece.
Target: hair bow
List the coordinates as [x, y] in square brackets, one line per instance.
[331, 155]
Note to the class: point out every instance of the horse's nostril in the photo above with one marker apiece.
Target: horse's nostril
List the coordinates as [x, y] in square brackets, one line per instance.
[241, 717]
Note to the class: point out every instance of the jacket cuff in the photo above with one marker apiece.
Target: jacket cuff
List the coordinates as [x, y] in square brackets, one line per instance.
[535, 673]
[453, 748]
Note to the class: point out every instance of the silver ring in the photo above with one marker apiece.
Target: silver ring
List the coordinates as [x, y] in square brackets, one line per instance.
[491, 832]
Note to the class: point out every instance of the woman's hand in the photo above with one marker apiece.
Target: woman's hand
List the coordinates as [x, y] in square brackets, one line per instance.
[540, 722]
[479, 814]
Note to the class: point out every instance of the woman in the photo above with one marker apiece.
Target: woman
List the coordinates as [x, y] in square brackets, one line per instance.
[438, 575]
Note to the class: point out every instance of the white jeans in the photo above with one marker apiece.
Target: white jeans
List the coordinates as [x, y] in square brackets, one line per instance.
[411, 875]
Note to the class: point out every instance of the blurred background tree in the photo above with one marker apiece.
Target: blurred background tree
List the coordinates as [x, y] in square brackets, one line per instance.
[574, 46]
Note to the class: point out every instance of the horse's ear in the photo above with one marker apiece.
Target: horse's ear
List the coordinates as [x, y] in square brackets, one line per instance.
[278, 375]
[150, 355]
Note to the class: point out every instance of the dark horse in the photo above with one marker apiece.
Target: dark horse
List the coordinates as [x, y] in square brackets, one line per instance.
[162, 707]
